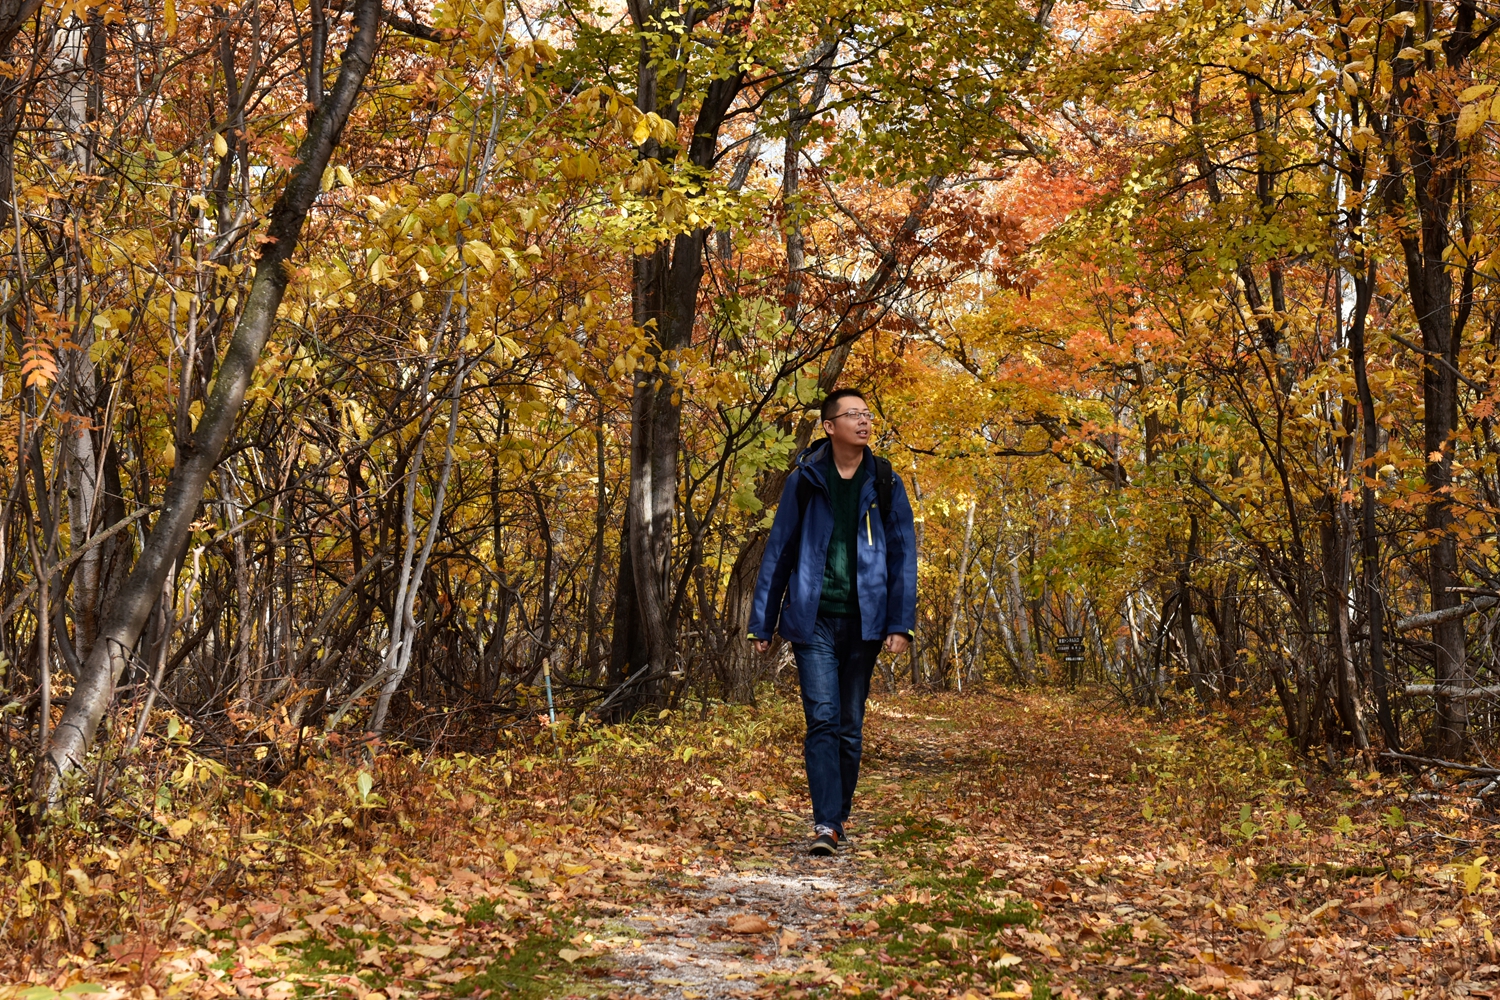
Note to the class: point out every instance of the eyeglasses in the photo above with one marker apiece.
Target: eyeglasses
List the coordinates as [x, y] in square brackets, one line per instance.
[860, 416]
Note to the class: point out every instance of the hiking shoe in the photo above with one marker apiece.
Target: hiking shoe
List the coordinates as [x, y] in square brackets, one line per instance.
[826, 843]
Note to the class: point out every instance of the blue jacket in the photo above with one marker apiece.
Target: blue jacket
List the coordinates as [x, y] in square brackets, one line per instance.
[790, 585]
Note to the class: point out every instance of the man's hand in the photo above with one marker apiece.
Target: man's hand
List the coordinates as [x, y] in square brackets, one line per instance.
[897, 643]
[761, 646]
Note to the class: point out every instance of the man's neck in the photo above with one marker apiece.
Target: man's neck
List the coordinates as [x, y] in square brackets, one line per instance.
[847, 458]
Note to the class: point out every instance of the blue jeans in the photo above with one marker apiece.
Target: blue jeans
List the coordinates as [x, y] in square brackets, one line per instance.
[834, 670]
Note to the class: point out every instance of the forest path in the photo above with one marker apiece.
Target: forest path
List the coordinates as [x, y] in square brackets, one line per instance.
[1004, 847]
[758, 918]
[1020, 847]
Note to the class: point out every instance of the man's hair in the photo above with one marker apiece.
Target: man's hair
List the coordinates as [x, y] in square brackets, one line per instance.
[831, 401]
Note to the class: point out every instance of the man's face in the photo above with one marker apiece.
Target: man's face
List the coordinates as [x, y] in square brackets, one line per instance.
[851, 424]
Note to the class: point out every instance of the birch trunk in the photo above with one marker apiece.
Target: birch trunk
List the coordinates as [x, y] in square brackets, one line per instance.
[129, 608]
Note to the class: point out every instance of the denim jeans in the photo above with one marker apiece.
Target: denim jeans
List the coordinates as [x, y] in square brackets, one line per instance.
[834, 670]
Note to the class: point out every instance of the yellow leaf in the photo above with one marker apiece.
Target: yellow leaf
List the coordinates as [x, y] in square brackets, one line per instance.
[642, 132]
[569, 955]
[221, 148]
[169, 18]
[180, 828]
[1449, 922]
[479, 252]
[344, 176]
[1469, 119]
[432, 951]
[1472, 876]
[1475, 92]
[511, 861]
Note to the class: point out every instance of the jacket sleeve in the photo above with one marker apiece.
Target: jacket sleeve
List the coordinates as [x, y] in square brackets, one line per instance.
[776, 562]
[900, 565]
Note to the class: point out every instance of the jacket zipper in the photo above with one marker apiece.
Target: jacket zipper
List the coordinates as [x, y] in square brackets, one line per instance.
[868, 533]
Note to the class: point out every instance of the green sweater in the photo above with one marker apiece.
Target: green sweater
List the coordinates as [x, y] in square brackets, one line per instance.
[840, 599]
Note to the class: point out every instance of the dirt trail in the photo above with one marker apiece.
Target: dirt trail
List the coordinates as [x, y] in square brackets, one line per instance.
[1009, 848]
[773, 914]
[785, 916]
[727, 926]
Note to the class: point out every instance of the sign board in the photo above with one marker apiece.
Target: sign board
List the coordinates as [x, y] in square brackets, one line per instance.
[1071, 648]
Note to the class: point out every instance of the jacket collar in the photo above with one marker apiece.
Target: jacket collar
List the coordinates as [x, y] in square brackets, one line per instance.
[814, 460]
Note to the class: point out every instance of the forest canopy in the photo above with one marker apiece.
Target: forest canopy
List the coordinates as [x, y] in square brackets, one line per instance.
[375, 369]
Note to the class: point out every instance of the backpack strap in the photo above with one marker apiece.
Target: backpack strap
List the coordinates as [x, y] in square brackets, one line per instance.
[885, 485]
[804, 494]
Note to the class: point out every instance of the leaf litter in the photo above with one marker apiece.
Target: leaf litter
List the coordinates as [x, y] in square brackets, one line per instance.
[1003, 847]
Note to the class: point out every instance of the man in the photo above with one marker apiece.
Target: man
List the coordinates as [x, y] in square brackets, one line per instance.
[838, 579]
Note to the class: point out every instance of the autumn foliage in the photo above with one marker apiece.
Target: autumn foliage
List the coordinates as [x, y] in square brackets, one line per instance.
[1179, 321]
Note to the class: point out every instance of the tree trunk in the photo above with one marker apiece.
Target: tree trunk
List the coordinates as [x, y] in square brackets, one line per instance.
[1427, 167]
[1190, 649]
[1336, 557]
[664, 297]
[129, 609]
[950, 641]
[1023, 624]
[1364, 287]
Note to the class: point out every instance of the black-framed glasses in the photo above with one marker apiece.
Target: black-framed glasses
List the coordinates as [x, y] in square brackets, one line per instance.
[860, 416]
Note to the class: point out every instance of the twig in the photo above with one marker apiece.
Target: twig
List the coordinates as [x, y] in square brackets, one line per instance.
[1429, 618]
[1488, 772]
[649, 671]
[77, 554]
[1453, 691]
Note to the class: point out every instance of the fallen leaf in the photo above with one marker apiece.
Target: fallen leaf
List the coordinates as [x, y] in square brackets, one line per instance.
[569, 955]
[1365, 907]
[1155, 927]
[747, 923]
